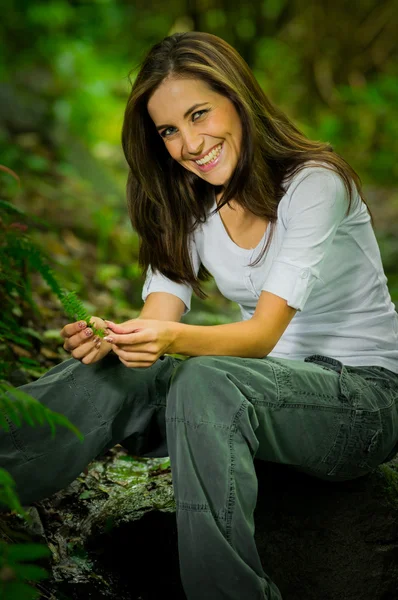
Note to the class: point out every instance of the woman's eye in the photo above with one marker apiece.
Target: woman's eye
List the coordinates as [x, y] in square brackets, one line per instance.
[164, 134]
[199, 111]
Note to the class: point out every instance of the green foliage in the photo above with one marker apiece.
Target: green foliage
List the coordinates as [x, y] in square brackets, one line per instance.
[14, 570]
[15, 406]
[74, 308]
[18, 405]
[8, 496]
[19, 257]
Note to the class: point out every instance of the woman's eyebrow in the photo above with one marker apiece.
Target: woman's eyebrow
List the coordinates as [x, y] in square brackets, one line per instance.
[188, 112]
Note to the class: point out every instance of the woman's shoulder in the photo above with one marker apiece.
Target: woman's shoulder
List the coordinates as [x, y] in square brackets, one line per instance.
[315, 169]
[315, 186]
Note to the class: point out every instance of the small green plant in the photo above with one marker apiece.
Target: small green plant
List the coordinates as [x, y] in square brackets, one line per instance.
[74, 308]
[19, 257]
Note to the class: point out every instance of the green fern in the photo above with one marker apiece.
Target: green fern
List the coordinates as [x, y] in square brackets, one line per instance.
[18, 405]
[18, 257]
[8, 496]
[15, 571]
[74, 308]
[22, 249]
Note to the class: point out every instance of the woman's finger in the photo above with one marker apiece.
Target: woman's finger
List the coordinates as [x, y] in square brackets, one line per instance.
[84, 349]
[136, 348]
[90, 356]
[132, 356]
[73, 328]
[128, 338]
[128, 327]
[77, 339]
[136, 365]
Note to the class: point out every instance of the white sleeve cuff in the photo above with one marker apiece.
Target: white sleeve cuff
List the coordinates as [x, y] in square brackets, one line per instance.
[291, 282]
[158, 283]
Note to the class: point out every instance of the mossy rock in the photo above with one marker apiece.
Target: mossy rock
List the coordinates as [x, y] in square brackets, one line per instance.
[113, 533]
[330, 541]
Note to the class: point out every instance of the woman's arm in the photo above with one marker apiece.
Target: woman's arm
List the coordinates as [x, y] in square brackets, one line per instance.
[162, 306]
[254, 338]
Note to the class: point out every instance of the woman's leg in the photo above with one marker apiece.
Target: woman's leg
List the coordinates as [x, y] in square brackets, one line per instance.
[108, 402]
[222, 411]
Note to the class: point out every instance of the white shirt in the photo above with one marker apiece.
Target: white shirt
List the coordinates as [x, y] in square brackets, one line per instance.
[323, 263]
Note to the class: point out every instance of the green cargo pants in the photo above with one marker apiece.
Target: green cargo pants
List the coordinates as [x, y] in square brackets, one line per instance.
[212, 415]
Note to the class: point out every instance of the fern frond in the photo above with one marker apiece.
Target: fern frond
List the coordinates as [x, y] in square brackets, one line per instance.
[18, 406]
[8, 496]
[74, 308]
[8, 207]
[22, 248]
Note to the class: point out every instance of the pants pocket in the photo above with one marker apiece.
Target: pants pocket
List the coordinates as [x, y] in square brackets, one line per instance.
[348, 386]
[370, 435]
[373, 434]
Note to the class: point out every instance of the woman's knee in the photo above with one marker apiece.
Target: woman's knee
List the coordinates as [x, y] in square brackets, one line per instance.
[205, 389]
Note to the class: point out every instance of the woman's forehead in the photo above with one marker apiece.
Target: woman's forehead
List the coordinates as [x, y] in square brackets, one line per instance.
[177, 95]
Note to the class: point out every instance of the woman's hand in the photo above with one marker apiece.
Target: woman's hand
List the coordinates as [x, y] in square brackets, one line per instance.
[140, 342]
[82, 344]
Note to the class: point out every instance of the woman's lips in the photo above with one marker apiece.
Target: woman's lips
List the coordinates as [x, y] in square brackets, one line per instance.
[212, 164]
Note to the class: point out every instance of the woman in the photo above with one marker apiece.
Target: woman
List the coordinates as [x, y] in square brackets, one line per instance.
[308, 378]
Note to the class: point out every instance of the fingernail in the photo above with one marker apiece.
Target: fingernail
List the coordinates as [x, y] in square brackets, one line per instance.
[96, 339]
[108, 339]
[82, 324]
[88, 332]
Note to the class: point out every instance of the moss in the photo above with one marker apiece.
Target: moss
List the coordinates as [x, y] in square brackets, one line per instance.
[391, 479]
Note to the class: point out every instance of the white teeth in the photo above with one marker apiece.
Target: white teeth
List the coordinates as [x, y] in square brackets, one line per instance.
[215, 152]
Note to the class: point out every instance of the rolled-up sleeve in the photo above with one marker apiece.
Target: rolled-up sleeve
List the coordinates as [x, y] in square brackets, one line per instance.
[315, 208]
[156, 282]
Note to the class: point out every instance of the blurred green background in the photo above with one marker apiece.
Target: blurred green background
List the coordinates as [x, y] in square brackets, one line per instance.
[64, 64]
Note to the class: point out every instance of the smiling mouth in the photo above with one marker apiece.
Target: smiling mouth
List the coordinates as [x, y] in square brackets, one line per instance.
[210, 156]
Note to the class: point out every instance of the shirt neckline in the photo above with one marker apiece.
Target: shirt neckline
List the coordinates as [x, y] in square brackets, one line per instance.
[228, 241]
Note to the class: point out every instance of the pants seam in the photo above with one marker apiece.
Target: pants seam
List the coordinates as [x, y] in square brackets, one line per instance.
[101, 418]
[195, 425]
[231, 491]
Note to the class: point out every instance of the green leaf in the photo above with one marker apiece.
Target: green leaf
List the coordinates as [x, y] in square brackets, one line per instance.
[21, 552]
[29, 361]
[30, 572]
[52, 334]
[5, 478]
[8, 207]
[18, 591]
[27, 406]
[32, 332]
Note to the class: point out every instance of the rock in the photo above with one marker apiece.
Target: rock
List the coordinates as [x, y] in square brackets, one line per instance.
[317, 540]
[113, 533]
[329, 541]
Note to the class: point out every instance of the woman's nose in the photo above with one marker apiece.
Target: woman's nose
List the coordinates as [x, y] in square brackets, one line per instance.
[192, 144]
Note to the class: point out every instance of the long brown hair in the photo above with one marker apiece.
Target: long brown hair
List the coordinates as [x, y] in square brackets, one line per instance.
[166, 201]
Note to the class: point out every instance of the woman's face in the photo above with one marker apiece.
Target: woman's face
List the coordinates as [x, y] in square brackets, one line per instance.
[193, 121]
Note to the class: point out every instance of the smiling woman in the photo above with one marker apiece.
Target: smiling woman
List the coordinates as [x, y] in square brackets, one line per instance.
[221, 183]
[193, 95]
[206, 141]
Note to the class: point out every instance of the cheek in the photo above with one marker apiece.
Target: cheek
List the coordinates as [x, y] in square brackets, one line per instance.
[173, 150]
